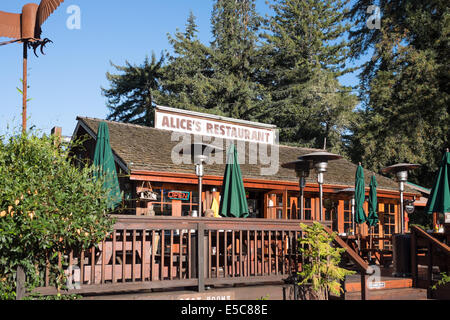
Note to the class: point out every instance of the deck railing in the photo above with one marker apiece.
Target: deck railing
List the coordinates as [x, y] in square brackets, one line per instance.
[161, 252]
[430, 252]
[360, 263]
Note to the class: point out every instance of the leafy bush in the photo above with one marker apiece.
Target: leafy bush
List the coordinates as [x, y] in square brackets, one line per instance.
[445, 278]
[47, 205]
[321, 270]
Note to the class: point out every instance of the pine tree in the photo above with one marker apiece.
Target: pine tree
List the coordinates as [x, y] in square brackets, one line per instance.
[306, 53]
[186, 81]
[131, 95]
[405, 86]
[235, 24]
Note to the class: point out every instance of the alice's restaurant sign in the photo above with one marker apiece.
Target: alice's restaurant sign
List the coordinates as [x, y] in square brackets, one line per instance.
[215, 126]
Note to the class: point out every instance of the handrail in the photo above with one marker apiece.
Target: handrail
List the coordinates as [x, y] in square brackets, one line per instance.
[431, 242]
[442, 246]
[361, 264]
[186, 222]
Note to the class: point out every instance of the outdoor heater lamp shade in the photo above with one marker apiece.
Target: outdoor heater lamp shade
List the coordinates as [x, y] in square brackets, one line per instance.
[400, 167]
[401, 171]
[200, 150]
[320, 160]
[320, 156]
[347, 191]
[302, 167]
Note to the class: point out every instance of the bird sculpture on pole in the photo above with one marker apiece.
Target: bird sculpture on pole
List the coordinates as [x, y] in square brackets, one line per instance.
[25, 28]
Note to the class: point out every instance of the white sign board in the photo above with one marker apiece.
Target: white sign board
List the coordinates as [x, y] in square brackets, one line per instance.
[183, 122]
[376, 285]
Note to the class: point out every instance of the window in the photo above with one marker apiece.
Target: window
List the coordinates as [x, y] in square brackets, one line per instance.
[293, 212]
[308, 209]
[163, 205]
[328, 206]
[190, 205]
[348, 225]
[375, 232]
[275, 206]
[388, 221]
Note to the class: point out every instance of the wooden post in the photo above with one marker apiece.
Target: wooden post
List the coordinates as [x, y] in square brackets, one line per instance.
[364, 291]
[20, 283]
[414, 258]
[430, 265]
[25, 87]
[201, 256]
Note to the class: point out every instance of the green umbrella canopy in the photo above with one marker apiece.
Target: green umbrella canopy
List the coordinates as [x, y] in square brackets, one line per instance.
[439, 200]
[360, 216]
[106, 167]
[372, 219]
[233, 202]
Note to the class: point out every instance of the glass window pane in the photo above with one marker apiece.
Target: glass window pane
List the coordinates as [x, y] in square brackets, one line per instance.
[157, 208]
[308, 203]
[346, 205]
[307, 214]
[279, 200]
[167, 209]
[347, 216]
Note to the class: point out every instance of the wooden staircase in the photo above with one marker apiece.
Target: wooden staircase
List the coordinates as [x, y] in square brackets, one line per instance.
[386, 288]
[363, 285]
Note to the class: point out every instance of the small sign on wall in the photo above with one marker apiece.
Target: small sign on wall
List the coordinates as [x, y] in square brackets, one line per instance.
[447, 217]
[178, 195]
[229, 295]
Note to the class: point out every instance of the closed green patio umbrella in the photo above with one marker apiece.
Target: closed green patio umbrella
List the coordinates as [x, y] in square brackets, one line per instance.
[372, 219]
[360, 191]
[439, 200]
[233, 202]
[106, 167]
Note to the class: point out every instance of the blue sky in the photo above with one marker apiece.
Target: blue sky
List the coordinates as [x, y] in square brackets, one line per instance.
[67, 81]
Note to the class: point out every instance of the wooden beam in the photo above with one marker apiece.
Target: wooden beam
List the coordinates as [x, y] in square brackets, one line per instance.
[191, 178]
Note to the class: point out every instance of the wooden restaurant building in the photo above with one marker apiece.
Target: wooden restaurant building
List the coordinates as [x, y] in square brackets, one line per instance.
[152, 245]
[144, 160]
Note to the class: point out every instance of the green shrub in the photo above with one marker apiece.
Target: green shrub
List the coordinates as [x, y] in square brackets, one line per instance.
[47, 205]
[321, 269]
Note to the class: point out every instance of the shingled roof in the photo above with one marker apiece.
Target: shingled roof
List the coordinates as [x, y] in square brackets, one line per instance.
[149, 149]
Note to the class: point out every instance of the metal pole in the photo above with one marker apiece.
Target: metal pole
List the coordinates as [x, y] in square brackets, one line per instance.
[200, 196]
[402, 213]
[302, 206]
[302, 198]
[353, 215]
[24, 90]
[321, 201]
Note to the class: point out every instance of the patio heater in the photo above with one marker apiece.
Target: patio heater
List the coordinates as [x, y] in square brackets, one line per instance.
[401, 171]
[302, 168]
[320, 161]
[200, 153]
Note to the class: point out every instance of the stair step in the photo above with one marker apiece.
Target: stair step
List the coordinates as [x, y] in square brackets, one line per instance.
[390, 294]
[383, 284]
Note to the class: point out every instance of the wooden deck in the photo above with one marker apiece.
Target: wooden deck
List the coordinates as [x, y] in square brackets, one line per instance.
[145, 253]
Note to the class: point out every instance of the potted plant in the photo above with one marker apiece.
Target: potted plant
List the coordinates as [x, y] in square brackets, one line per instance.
[321, 274]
